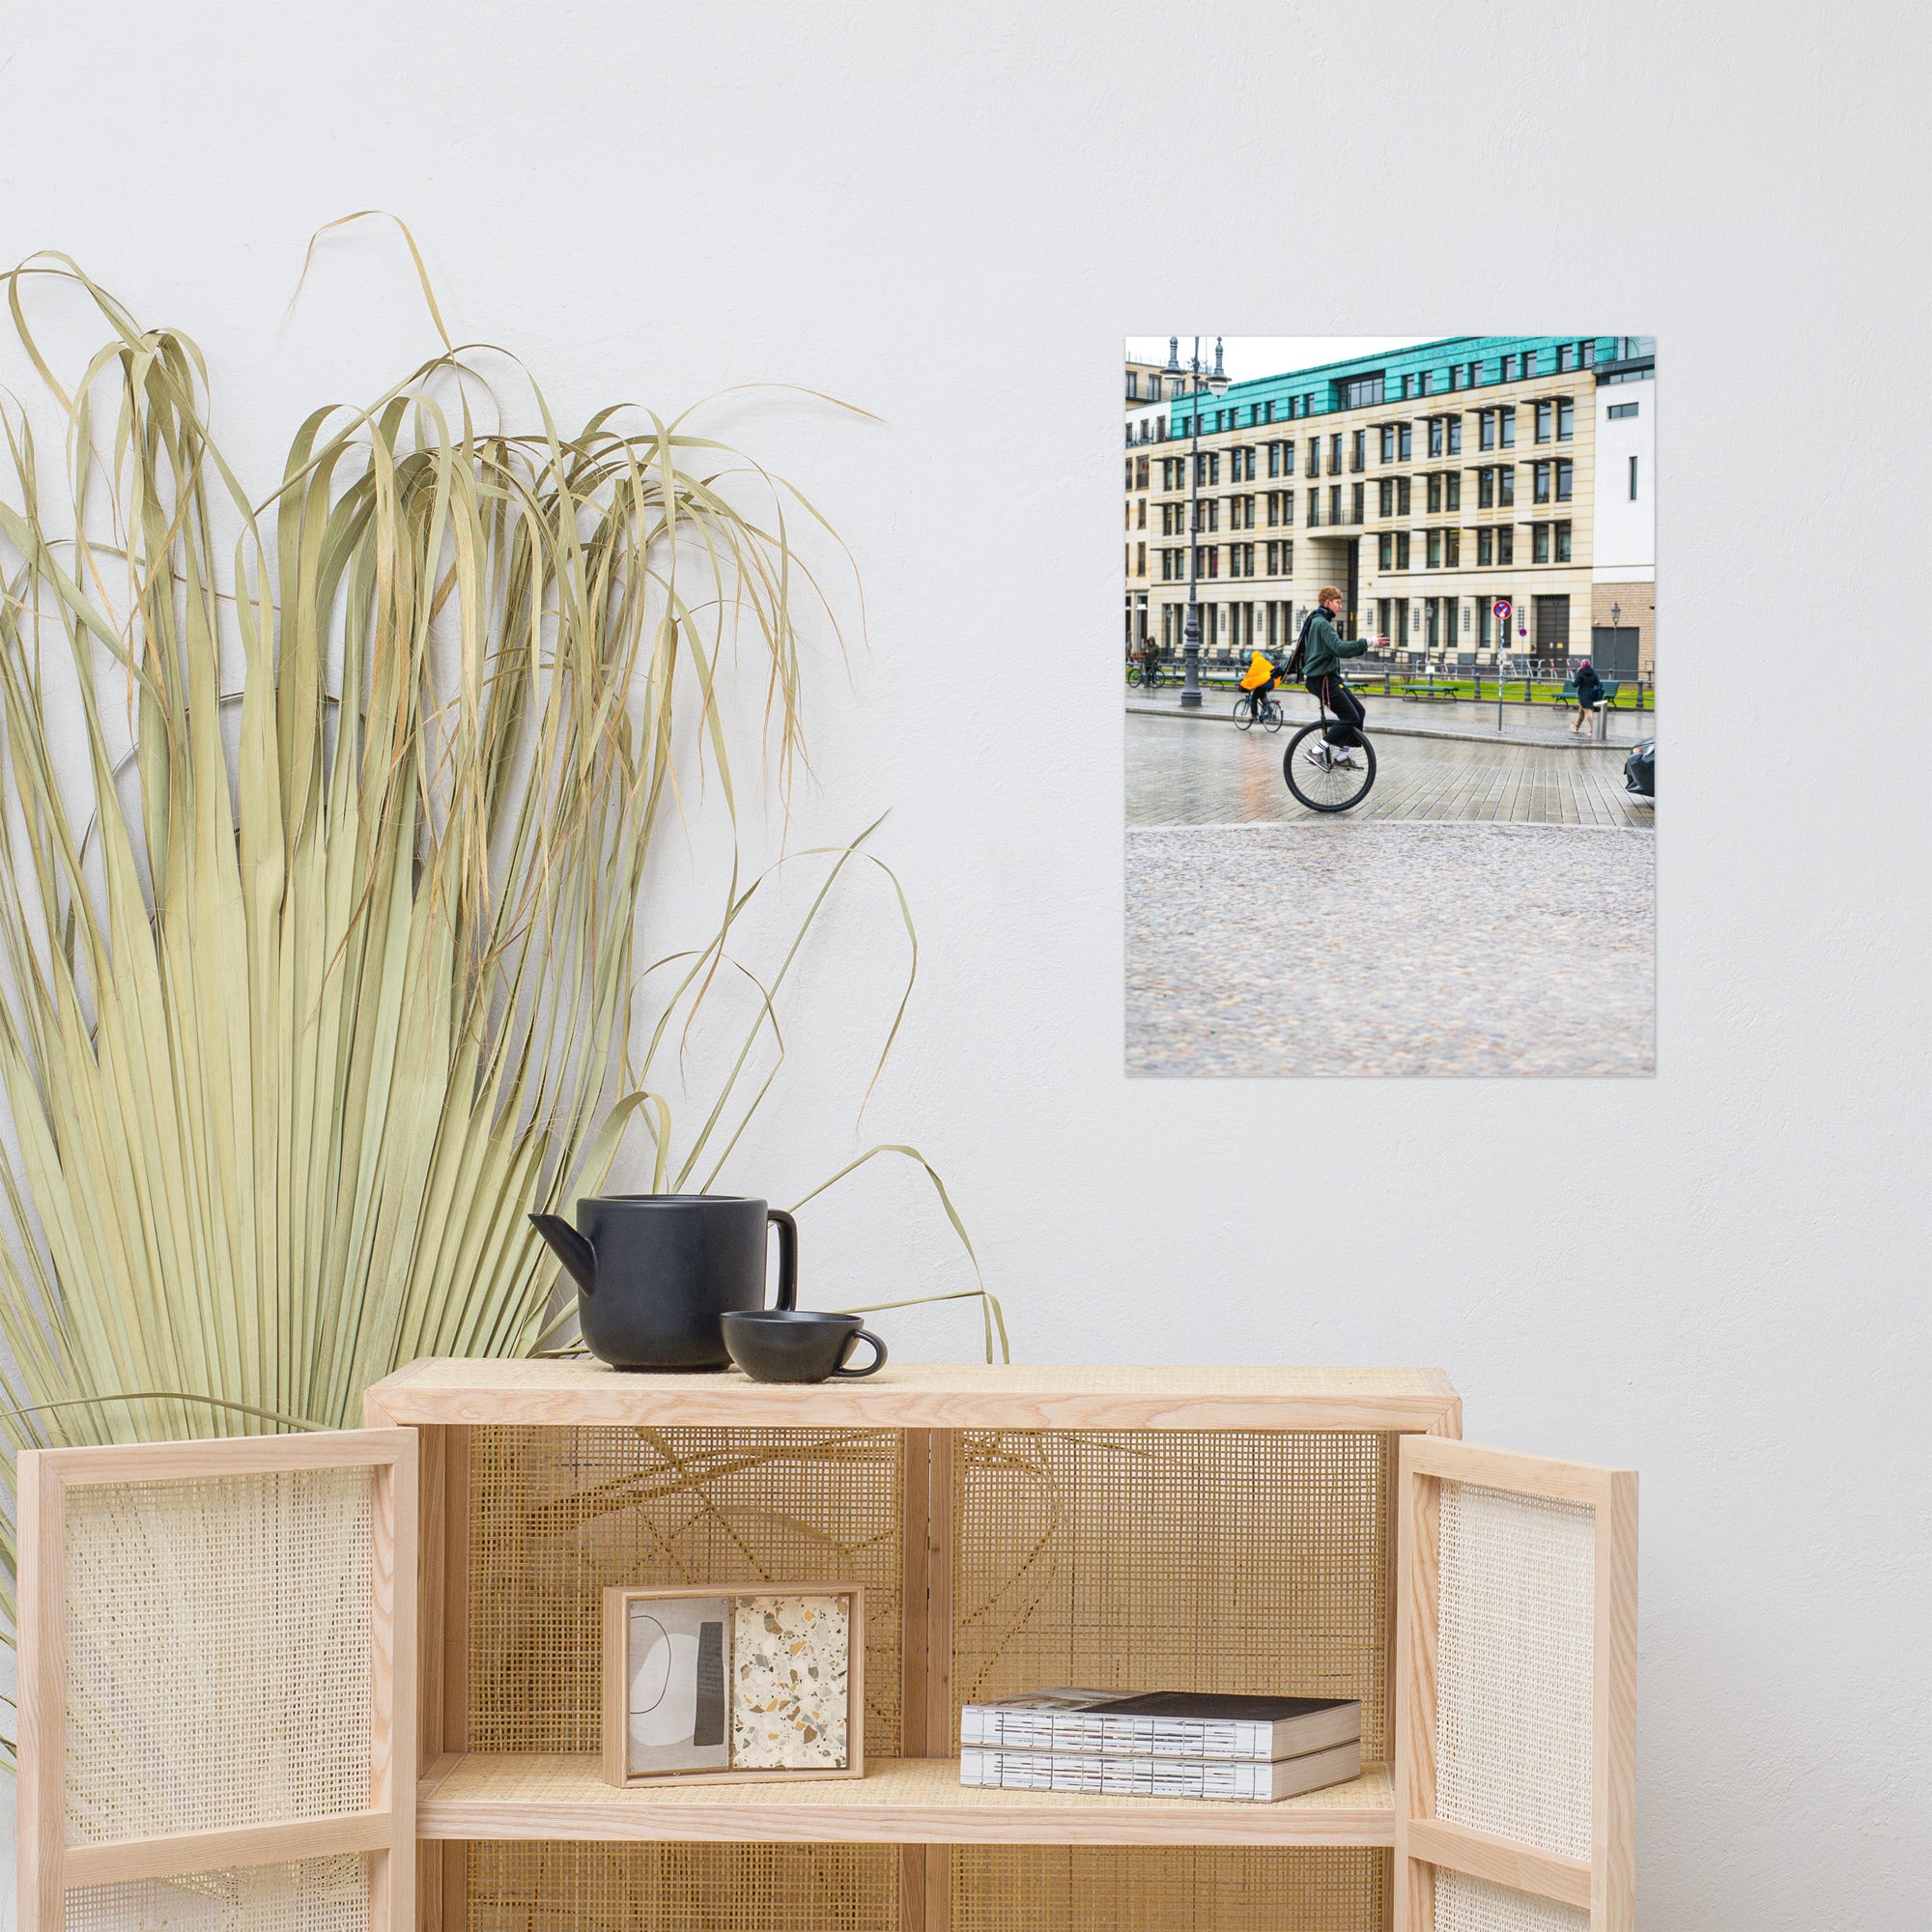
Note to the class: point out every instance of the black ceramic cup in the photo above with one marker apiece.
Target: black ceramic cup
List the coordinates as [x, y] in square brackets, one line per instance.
[791, 1345]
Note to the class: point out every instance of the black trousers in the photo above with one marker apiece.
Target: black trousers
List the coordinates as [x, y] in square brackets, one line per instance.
[1344, 703]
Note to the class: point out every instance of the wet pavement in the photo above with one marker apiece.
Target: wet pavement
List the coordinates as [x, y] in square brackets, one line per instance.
[1194, 771]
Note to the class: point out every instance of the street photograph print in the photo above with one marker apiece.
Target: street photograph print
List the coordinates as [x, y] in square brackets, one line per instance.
[1390, 674]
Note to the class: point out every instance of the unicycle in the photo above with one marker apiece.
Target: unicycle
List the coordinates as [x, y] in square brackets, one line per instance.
[1315, 773]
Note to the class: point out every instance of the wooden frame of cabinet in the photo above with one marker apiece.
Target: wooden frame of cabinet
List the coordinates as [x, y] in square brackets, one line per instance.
[914, 1801]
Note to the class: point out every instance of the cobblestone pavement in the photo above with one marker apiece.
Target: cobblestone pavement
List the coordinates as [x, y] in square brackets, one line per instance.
[1187, 770]
[1332, 947]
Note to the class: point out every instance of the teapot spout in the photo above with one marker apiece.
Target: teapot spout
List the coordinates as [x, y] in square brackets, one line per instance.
[570, 1248]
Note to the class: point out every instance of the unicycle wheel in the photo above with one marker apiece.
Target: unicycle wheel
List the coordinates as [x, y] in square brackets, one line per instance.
[1320, 782]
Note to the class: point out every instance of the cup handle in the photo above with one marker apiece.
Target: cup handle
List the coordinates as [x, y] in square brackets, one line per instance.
[788, 1257]
[872, 1367]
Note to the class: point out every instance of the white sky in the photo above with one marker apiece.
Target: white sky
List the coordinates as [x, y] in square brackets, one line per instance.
[1247, 356]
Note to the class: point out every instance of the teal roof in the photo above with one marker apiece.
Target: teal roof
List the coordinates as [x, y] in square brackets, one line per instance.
[1318, 390]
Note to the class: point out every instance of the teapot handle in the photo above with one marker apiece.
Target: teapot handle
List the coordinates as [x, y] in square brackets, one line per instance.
[787, 1258]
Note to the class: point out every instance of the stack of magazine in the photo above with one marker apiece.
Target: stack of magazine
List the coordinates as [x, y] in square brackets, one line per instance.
[1163, 1743]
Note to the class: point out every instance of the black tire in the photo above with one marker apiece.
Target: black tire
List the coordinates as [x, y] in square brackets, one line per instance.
[1272, 717]
[1244, 713]
[1322, 789]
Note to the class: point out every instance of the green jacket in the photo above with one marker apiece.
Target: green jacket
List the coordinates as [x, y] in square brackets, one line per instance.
[1325, 648]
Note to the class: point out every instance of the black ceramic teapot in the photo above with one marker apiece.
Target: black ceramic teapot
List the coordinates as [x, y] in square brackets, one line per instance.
[654, 1273]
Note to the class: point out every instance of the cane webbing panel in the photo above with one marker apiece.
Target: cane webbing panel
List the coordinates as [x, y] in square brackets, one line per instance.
[530, 1885]
[1115, 1889]
[1464, 1904]
[217, 1651]
[1239, 1561]
[313, 1895]
[558, 1514]
[1514, 1667]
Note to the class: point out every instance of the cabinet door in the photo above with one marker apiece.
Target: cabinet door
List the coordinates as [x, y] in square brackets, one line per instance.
[1515, 1693]
[217, 1692]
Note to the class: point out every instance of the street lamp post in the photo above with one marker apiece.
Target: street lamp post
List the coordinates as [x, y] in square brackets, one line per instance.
[1215, 385]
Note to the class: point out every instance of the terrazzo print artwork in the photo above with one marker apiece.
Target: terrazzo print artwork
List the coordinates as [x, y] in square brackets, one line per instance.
[790, 1660]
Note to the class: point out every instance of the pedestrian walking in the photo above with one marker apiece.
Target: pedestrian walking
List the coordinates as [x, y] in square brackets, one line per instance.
[1589, 694]
[1320, 650]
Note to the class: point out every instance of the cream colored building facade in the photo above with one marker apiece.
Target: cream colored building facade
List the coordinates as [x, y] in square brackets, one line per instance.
[1426, 484]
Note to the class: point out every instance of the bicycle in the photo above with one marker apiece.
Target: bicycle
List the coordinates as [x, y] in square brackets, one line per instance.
[1323, 779]
[1258, 707]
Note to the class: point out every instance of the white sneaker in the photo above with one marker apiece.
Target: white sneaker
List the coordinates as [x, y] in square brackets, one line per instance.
[1341, 762]
[1317, 755]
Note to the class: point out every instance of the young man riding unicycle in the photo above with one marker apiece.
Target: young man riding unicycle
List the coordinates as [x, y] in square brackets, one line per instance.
[1320, 648]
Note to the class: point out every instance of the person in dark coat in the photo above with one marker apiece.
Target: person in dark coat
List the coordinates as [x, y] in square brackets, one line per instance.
[1589, 694]
[1323, 649]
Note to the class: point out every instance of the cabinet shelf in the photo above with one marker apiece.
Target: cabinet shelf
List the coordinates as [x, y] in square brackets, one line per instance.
[899, 1802]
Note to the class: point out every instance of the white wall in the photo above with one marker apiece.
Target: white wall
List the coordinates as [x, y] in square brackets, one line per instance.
[953, 216]
[1624, 528]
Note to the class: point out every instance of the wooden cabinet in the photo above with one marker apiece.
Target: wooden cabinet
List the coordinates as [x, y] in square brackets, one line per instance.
[1317, 1530]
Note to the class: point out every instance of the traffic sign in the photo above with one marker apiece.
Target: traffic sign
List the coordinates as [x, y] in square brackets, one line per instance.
[1502, 609]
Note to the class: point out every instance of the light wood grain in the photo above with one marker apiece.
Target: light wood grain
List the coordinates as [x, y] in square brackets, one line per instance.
[1417, 1514]
[1606, 1885]
[919, 1396]
[179, 1851]
[40, 1638]
[899, 1802]
[230, 1456]
[386, 1831]
[1613, 1763]
[1500, 1860]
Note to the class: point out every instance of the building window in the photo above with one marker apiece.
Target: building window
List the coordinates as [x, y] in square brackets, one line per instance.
[1566, 471]
[1566, 358]
[1385, 550]
[1247, 464]
[1405, 440]
[1358, 449]
[1506, 486]
[1140, 569]
[1435, 433]
[1402, 550]
[1141, 465]
[1402, 495]
[1451, 490]
[1452, 549]
[1620, 412]
[1539, 543]
[1542, 476]
[1633, 479]
[1385, 496]
[1434, 493]
[1335, 454]
[1426, 383]
[1458, 371]
[1509, 368]
[1475, 373]
[1562, 543]
[1141, 522]
[1506, 427]
[1313, 508]
[1485, 546]
[1362, 391]
[1486, 421]
[1357, 491]
[1208, 559]
[1546, 421]
[1334, 502]
[1388, 442]
[1486, 489]
[1133, 385]
[1434, 551]
[1505, 544]
[1407, 387]
[1586, 353]
[1565, 419]
[1274, 459]
[1240, 559]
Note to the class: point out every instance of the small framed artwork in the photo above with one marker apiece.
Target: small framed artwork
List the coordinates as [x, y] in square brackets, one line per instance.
[752, 1684]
